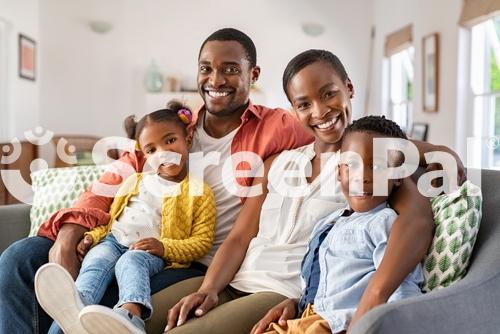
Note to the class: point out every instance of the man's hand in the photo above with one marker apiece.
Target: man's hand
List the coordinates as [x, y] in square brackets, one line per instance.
[202, 301]
[150, 245]
[63, 251]
[282, 312]
[83, 246]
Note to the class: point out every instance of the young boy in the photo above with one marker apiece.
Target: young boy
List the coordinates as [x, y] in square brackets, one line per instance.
[348, 245]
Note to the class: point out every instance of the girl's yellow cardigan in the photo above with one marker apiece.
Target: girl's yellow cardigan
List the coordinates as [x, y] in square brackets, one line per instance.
[187, 222]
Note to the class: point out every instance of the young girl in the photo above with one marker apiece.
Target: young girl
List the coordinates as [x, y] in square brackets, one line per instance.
[155, 223]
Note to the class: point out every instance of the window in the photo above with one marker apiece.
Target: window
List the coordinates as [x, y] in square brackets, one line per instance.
[401, 73]
[485, 87]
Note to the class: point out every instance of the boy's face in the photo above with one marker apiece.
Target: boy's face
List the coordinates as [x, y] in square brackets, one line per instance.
[356, 174]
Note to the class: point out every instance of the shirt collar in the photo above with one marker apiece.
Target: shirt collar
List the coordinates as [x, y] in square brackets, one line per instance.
[311, 153]
[379, 207]
[249, 111]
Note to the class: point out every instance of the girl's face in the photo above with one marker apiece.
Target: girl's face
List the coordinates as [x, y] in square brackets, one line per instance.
[322, 103]
[162, 137]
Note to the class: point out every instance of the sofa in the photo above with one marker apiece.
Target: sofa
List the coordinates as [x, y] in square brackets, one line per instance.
[470, 306]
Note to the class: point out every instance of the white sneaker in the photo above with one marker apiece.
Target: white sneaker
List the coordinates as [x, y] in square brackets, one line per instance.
[97, 319]
[57, 294]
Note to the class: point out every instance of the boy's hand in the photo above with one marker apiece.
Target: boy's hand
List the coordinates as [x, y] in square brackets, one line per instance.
[83, 246]
[150, 245]
[282, 312]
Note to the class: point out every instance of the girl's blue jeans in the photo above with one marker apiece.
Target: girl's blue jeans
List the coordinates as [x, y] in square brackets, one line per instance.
[19, 310]
[132, 269]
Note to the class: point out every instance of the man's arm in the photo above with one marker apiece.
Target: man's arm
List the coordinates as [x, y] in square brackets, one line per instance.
[91, 209]
[66, 227]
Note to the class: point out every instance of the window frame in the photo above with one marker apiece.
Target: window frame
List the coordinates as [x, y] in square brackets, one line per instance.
[409, 101]
[482, 99]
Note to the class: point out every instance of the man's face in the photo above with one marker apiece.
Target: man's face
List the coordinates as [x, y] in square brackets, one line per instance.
[224, 77]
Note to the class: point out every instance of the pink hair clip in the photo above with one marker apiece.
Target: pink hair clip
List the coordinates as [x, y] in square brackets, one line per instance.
[185, 115]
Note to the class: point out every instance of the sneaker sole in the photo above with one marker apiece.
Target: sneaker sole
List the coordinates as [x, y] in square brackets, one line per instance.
[57, 295]
[97, 319]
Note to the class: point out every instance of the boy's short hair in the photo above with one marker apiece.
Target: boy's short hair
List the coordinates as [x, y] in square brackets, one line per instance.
[378, 125]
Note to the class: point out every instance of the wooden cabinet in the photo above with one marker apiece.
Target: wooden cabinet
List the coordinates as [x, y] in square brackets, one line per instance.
[29, 152]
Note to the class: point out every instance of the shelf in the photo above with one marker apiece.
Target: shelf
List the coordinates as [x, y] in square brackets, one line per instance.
[155, 101]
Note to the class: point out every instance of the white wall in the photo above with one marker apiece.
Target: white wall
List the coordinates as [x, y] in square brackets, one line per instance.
[427, 16]
[23, 95]
[91, 82]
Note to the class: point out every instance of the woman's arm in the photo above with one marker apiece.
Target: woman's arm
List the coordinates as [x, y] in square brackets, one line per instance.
[424, 147]
[408, 243]
[227, 260]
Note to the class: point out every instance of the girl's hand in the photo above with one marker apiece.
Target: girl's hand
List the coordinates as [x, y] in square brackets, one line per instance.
[282, 312]
[150, 245]
[83, 246]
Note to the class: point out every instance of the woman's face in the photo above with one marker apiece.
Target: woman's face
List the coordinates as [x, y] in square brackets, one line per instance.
[322, 103]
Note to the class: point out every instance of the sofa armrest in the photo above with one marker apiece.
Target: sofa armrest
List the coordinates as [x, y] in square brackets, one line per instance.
[463, 308]
[14, 223]
[468, 306]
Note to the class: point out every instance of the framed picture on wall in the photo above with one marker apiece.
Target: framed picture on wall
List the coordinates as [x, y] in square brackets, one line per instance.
[419, 131]
[430, 65]
[27, 57]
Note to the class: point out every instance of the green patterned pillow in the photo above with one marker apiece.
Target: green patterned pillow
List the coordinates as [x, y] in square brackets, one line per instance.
[457, 218]
[59, 188]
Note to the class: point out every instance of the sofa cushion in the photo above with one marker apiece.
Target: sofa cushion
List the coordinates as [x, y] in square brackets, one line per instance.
[457, 217]
[59, 188]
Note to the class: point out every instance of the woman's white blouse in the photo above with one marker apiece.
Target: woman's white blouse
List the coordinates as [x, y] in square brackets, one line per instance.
[289, 213]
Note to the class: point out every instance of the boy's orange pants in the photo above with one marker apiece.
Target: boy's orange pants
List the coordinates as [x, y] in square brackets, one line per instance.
[308, 323]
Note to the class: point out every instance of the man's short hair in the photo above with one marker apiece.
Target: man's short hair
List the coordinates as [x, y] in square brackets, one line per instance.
[231, 34]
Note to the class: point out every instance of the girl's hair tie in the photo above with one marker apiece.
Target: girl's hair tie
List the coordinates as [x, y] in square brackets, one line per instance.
[185, 115]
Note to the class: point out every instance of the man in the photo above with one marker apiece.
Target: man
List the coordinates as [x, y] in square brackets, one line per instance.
[228, 123]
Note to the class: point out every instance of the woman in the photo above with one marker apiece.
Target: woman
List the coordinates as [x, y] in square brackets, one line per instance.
[259, 262]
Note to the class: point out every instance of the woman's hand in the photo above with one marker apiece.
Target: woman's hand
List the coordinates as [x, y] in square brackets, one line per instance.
[202, 301]
[461, 176]
[150, 245]
[424, 147]
[282, 312]
[83, 246]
